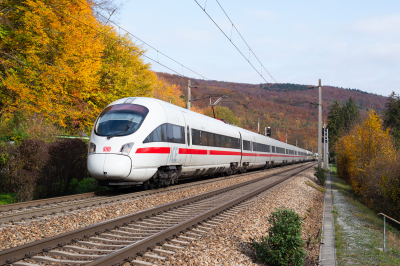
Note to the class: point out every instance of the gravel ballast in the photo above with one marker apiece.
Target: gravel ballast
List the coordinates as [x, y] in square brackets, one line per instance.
[228, 244]
[23, 233]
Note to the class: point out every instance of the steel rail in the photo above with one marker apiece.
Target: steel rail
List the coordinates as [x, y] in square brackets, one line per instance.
[139, 247]
[17, 216]
[41, 202]
[28, 250]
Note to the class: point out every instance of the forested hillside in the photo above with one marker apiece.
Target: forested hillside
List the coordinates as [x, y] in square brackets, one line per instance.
[286, 108]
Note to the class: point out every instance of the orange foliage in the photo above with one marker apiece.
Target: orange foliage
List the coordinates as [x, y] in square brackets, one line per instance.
[55, 71]
[168, 93]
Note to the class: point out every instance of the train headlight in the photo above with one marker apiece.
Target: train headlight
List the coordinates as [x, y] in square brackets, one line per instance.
[92, 148]
[126, 148]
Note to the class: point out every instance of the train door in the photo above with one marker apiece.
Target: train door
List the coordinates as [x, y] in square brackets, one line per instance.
[176, 132]
[188, 155]
[254, 158]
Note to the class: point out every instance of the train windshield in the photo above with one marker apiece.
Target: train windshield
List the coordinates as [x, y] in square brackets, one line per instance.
[120, 120]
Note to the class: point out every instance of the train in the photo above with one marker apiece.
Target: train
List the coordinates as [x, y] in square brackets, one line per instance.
[149, 142]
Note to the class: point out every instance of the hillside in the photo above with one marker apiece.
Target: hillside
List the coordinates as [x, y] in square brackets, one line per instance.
[286, 108]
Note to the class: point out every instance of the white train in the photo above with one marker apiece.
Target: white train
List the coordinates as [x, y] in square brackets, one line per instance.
[148, 141]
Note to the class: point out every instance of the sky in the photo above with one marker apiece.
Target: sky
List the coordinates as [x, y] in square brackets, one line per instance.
[350, 44]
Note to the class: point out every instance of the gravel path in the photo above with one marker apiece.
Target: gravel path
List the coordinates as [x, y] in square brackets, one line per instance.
[57, 224]
[228, 243]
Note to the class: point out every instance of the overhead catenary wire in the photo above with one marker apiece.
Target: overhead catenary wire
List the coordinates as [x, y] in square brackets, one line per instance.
[137, 38]
[230, 39]
[158, 51]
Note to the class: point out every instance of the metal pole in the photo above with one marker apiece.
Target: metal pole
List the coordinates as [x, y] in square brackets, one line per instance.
[319, 124]
[324, 158]
[296, 142]
[258, 126]
[188, 102]
[327, 148]
[384, 229]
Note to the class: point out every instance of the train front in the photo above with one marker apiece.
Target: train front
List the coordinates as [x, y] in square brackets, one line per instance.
[116, 134]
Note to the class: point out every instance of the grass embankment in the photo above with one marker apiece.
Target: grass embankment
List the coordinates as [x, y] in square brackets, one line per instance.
[8, 198]
[359, 230]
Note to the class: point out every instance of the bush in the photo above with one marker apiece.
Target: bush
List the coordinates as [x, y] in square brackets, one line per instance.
[283, 245]
[320, 174]
[85, 185]
[35, 169]
[67, 161]
[21, 167]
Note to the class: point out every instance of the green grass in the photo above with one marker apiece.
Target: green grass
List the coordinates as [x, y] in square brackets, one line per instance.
[333, 168]
[7, 198]
[313, 185]
[371, 237]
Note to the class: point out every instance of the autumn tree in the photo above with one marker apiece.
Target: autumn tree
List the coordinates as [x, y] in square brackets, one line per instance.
[58, 60]
[168, 92]
[367, 160]
[50, 61]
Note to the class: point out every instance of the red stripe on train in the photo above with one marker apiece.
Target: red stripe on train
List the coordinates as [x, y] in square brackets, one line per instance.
[224, 153]
[154, 150]
[249, 154]
[192, 151]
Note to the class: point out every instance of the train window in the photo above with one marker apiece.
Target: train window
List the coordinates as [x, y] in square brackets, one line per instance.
[217, 140]
[246, 145]
[188, 135]
[175, 134]
[211, 139]
[167, 133]
[203, 138]
[196, 137]
[273, 149]
[223, 140]
[158, 135]
[235, 143]
[261, 147]
[255, 146]
[120, 120]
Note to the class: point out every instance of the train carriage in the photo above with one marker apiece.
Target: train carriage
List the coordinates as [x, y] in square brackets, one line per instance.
[151, 142]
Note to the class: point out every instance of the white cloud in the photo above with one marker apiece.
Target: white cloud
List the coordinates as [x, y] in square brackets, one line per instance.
[384, 26]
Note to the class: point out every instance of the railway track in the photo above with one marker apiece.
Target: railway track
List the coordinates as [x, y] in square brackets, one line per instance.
[16, 212]
[144, 236]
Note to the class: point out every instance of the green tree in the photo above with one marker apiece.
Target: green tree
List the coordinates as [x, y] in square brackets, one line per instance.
[350, 114]
[222, 112]
[335, 124]
[391, 117]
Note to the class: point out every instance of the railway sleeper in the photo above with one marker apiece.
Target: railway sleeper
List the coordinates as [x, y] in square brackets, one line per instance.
[53, 260]
[74, 255]
[92, 244]
[152, 256]
[111, 241]
[88, 250]
[141, 263]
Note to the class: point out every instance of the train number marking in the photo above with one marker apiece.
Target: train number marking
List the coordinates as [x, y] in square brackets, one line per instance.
[106, 149]
[173, 154]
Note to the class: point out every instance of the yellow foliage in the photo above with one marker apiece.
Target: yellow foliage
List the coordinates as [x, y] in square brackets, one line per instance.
[168, 93]
[60, 62]
[367, 160]
[55, 70]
